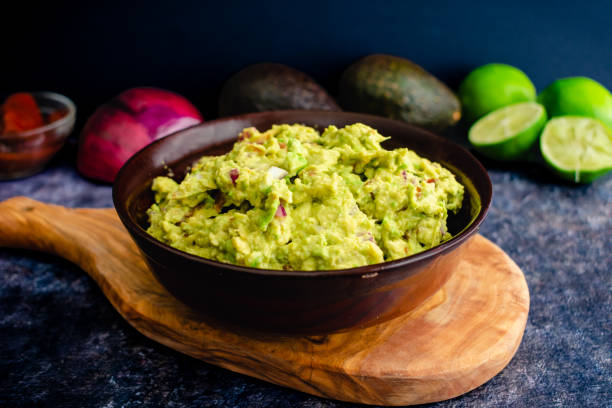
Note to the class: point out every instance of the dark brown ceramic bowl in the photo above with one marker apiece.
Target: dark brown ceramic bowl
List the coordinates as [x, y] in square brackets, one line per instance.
[293, 302]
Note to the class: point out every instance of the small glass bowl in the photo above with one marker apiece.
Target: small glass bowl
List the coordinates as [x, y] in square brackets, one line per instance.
[25, 153]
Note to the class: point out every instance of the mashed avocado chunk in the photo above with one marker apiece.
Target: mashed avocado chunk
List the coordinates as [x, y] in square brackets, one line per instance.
[291, 198]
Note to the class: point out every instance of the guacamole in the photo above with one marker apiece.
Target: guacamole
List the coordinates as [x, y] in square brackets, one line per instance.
[292, 198]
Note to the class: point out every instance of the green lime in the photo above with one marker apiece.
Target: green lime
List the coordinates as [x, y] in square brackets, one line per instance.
[508, 133]
[578, 96]
[493, 86]
[577, 148]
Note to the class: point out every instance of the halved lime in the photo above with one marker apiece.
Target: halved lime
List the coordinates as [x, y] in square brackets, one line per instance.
[577, 148]
[508, 133]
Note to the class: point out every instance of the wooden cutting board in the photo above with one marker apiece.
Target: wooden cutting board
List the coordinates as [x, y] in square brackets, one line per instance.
[459, 339]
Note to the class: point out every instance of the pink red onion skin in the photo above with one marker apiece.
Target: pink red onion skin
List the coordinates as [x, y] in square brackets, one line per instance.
[126, 124]
[140, 99]
[234, 174]
[280, 211]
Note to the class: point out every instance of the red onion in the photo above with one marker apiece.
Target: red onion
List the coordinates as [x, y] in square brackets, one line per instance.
[280, 211]
[277, 173]
[126, 124]
[366, 236]
[234, 175]
[244, 135]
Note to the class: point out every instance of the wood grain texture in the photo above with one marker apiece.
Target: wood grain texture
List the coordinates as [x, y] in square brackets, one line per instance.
[459, 339]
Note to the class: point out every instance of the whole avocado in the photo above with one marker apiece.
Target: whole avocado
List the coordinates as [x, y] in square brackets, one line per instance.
[399, 89]
[270, 86]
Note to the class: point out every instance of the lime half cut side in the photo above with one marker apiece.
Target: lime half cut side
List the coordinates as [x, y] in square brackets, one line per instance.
[508, 133]
[578, 149]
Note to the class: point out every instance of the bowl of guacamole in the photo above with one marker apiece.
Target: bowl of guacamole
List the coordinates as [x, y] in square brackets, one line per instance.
[301, 221]
[294, 198]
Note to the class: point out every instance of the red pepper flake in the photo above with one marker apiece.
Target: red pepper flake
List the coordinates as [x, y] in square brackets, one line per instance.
[20, 113]
[431, 180]
[282, 145]
[234, 175]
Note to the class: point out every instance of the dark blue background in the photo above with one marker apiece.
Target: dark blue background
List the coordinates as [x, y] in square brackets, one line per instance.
[91, 53]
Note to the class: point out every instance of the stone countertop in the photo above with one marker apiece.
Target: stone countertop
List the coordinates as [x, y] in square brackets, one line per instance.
[62, 343]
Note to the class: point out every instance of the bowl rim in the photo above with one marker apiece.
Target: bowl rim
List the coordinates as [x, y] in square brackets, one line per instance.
[365, 270]
[70, 117]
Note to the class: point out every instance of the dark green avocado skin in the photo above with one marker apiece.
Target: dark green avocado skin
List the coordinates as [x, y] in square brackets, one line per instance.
[397, 88]
[269, 86]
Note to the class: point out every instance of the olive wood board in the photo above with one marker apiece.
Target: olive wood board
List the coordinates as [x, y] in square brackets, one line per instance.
[458, 339]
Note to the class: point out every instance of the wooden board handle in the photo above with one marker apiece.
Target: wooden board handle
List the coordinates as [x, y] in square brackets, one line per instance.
[68, 233]
[93, 239]
[30, 224]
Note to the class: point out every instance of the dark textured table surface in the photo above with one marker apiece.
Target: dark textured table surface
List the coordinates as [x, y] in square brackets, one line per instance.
[62, 344]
